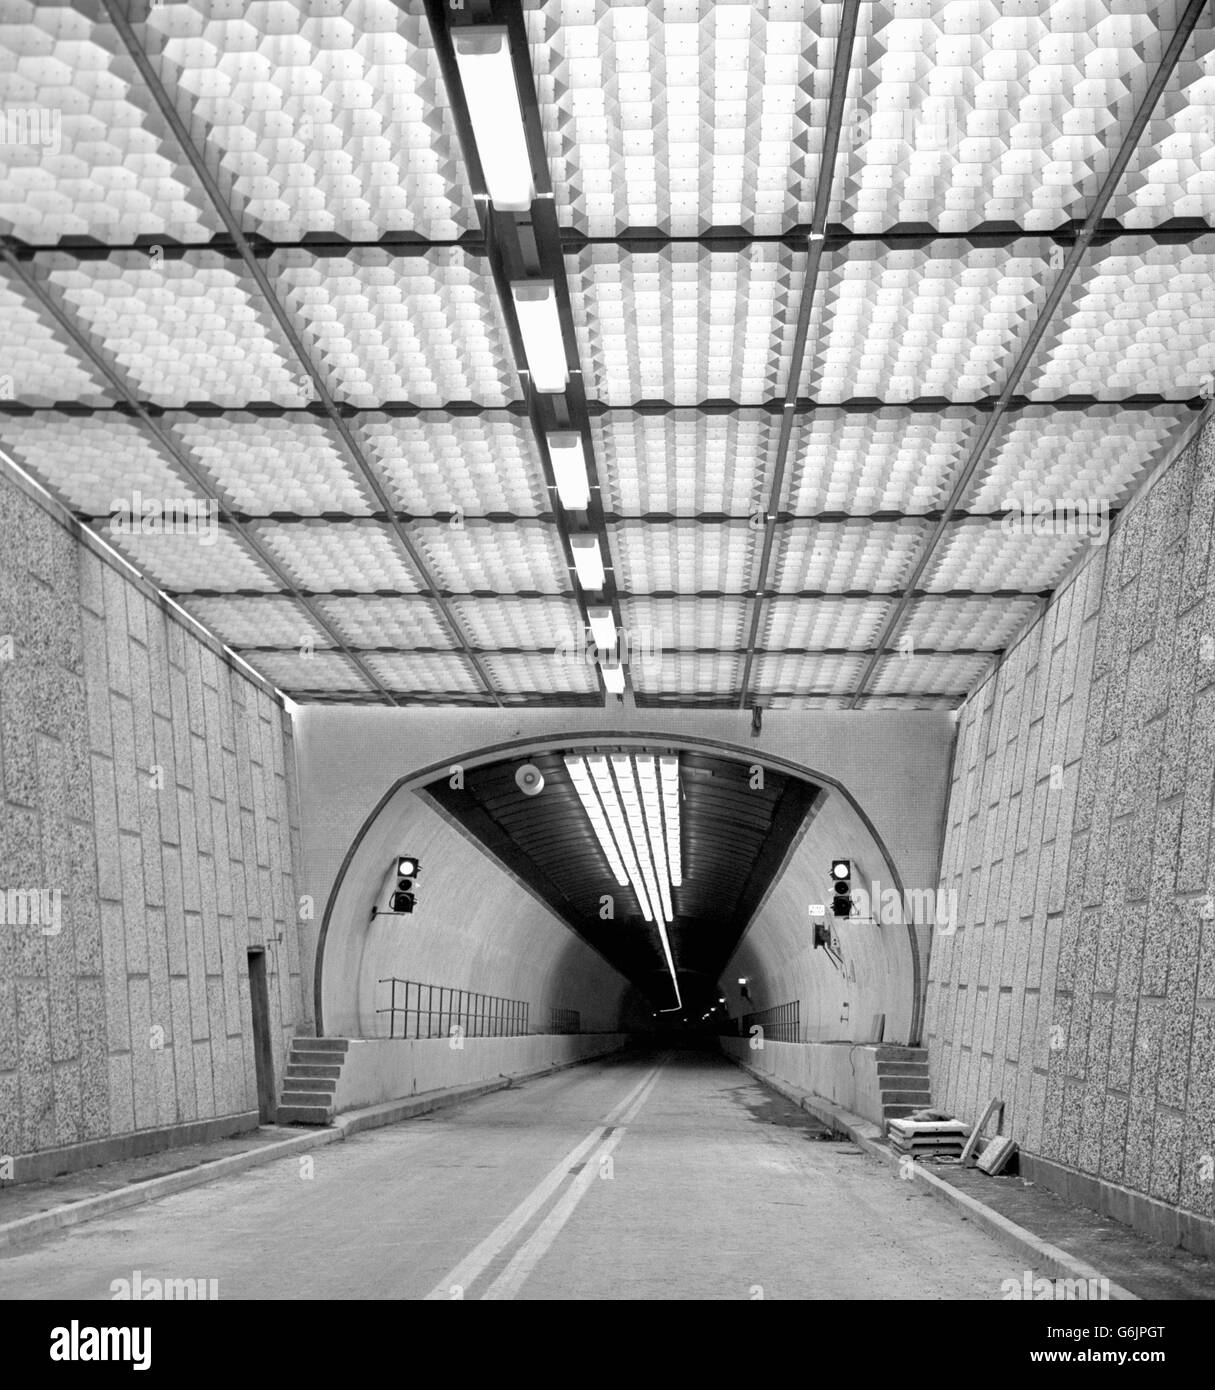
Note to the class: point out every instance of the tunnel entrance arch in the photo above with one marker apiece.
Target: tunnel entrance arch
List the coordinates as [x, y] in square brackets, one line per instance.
[349, 872]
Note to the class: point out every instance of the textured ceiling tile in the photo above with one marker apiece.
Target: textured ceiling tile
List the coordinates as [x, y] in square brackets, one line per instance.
[86, 152]
[846, 555]
[683, 673]
[426, 673]
[182, 330]
[984, 556]
[934, 675]
[823, 675]
[683, 325]
[91, 461]
[543, 674]
[540, 623]
[682, 116]
[321, 557]
[894, 460]
[259, 622]
[1137, 317]
[435, 463]
[684, 464]
[38, 366]
[897, 325]
[501, 559]
[683, 558]
[320, 117]
[187, 562]
[323, 671]
[262, 465]
[974, 623]
[385, 622]
[673, 623]
[424, 329]
[822, 622]
[1102, 454]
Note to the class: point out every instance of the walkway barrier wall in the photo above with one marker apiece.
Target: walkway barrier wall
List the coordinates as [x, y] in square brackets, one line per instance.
[376, 1070]
[842, 1072]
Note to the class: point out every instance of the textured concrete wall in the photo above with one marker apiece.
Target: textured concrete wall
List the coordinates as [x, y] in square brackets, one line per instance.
[135, 1015]
[777, 954]
[474, 928]
[1081, 986]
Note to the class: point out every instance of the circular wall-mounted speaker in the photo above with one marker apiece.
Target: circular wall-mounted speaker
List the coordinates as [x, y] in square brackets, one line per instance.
[530, 780]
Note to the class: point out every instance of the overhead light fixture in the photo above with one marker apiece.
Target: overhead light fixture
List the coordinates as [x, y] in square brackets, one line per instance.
[488, 78]
[569, 469]
[669, 770]
[536, 309]
[588, 562]
[613, 679]
[622, 801]
[603, 628]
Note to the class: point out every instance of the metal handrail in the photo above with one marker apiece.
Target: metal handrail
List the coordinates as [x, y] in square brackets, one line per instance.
[476, 1015]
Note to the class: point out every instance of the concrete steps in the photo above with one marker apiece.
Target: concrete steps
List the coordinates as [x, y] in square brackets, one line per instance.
[313, 1068]
[903, 1082]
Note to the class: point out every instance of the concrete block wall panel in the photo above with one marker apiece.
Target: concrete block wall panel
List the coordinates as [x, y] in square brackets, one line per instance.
[1081, 983]
[777, 954]
[895, 765]
[475, 928]
[145, 779]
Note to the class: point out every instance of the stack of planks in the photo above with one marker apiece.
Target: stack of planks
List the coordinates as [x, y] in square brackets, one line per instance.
[922, 1138]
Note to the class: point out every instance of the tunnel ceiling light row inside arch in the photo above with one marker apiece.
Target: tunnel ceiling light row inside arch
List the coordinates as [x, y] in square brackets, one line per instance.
[845, 294]
[736, 824]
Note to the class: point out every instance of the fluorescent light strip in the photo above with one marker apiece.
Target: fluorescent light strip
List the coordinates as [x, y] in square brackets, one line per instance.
[622, 768]
[588, 562]
[594, 810]
[603, 628]
[569, 470]
[613, 679]
[669, 768]
[488, 78]
[648, 778]
[540, 325]
[597, 763]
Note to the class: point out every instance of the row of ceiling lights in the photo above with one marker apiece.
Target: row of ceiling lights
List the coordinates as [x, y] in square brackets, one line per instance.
[483, 58]
[632, 803]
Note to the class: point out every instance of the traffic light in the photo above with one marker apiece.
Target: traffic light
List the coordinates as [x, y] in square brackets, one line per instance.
[841, 888]
[403, 899]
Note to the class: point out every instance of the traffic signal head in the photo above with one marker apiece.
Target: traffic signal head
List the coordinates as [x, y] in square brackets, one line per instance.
[822, 937]
[841, 888]
[403, 899]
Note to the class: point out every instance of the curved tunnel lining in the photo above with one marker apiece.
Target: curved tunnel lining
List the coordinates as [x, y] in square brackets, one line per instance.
[496, 752]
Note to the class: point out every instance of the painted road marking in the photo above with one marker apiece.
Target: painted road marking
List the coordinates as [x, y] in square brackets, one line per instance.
[474, 1265]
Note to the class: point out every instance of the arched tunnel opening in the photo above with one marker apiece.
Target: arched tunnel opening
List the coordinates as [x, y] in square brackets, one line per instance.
[655, 891]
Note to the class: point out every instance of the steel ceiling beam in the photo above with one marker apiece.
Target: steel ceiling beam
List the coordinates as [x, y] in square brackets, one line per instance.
[368, 473]
[840, 76]
[1083, 240]
[921, 405]
[642, 240]
[179, 457]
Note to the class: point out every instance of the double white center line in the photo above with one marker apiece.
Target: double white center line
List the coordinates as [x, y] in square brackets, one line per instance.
[590, 1153]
